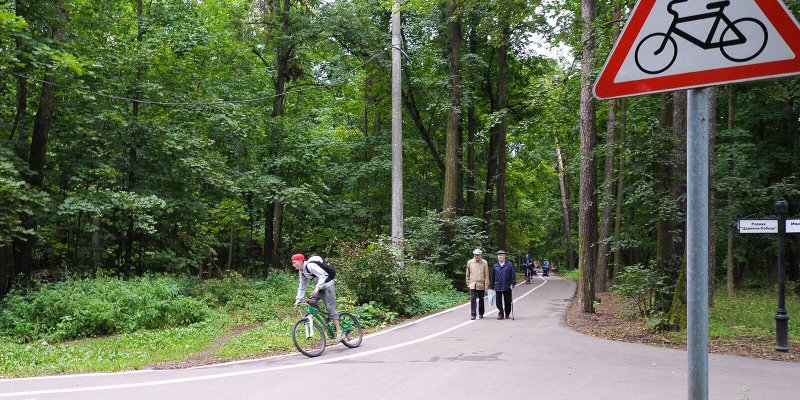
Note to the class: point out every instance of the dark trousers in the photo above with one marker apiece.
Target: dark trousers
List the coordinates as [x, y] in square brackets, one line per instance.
[475, 294]
[503, 299]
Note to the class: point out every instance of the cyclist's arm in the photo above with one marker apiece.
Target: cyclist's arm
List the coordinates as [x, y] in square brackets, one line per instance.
[321, 275]
[301, 287]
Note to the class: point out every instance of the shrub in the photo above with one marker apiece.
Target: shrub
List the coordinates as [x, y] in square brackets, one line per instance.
[370, 272]
[642, 285]
[79, 308]
[374, 313]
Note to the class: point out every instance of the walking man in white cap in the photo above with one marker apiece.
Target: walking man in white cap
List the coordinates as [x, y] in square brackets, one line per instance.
[477, 281]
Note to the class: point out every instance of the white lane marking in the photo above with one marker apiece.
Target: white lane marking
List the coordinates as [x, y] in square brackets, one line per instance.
[260, 370]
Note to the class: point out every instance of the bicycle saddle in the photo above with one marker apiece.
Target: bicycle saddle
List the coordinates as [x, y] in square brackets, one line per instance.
[718, 4]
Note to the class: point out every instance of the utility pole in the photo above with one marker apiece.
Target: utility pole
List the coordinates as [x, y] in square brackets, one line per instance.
[397, 136]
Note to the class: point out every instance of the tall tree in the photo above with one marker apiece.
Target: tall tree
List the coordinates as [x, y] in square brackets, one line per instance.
[133, 156]
[587, 215]
[501, 138]
[472, 123]
[729, 273]
[273, 217]
[452, 165]
[24, 247]
[623, 127]
[608, 179]
[712, 229]
[570, 255]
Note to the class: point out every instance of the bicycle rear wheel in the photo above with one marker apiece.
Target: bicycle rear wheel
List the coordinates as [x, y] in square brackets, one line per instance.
[308, 338]
[351, 329]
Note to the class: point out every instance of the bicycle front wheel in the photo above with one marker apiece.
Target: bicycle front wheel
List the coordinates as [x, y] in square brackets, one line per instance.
[308, 338]
[351, 329]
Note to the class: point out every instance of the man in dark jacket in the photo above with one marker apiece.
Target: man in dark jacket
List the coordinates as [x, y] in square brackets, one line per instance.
[504, 280]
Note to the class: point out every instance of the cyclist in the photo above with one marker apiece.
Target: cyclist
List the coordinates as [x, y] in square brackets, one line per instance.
[324, 286]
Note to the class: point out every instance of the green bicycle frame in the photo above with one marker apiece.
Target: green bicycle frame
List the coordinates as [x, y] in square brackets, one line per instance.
[314, 313]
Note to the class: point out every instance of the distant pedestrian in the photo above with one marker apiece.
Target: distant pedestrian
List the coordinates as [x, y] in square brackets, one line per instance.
[503, 282]
[477, 281]
[527, 267]
[546, 268]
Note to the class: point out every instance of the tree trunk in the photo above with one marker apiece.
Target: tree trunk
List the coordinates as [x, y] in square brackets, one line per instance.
[729, 275]
[23, 248]
[491, 175]
[231, 242]
[22, 90]
[565, 210]
[501, 140]
[22, 100]
[452, 170]
[608, 179]
[677, 195]
[608, 193]
[587, 215]
[663, 238]
[283, 53]
[712, 229]
[620, 190]
[133, 157]
[276, 244]
[97, 258]
[6, 270]
[416, 118]
[269, 236]
[472, 125]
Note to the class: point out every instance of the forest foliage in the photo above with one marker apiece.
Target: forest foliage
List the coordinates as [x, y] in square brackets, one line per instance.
[195, 138]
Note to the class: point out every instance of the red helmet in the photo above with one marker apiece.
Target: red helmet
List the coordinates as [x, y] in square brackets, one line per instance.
[298, 257]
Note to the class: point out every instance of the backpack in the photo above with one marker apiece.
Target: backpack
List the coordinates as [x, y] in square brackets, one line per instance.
[327, 268]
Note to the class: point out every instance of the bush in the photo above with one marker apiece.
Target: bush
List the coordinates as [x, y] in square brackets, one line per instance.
[373, 314]
[249, 300]
[369, 272]
[642, 285]
[80, 308]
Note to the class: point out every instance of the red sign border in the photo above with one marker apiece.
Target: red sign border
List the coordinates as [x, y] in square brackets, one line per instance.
[777, 13]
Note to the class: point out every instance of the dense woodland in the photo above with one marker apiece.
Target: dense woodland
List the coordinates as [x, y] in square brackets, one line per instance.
[191, 137]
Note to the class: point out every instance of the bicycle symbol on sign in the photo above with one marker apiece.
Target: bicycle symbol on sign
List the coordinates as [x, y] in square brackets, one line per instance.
[741, 40]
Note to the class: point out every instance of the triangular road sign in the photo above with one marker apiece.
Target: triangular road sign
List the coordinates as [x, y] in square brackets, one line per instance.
[680, 44]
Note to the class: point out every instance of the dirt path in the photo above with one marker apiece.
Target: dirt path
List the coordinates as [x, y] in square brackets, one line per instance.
[614, 320]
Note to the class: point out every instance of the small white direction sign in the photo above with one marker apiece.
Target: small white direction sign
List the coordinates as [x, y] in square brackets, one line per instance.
[758, 226]
[793, 226]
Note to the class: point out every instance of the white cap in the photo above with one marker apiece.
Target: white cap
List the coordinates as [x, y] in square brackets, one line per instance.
[477, 251]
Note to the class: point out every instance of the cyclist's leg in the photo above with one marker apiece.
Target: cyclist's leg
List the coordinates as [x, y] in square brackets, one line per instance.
[330, 302]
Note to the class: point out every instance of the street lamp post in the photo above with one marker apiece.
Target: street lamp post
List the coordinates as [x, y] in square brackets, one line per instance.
[781, 316]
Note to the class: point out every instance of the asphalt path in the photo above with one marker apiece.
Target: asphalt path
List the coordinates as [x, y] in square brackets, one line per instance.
[448, 356]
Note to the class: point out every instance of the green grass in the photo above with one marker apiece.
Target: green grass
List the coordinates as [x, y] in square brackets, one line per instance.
[271, 337]
[34, 335]
[571, 274]
[751, 314]
[115, 353]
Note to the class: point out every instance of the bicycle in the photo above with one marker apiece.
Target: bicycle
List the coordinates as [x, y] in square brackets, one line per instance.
[732, 43]
[311, 332]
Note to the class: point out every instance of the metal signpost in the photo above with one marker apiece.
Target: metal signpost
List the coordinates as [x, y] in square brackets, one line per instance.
[781, 226]
[668, 45]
